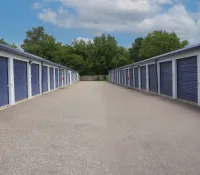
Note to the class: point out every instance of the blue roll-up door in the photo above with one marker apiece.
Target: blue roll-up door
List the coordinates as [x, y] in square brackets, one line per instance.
[123, 77]
[136, 77]
[127, 78]
[63, 79]
[143, 77]
[131, 76]
[187, 79]
[56, 76]
[166, 78]
[67, 79]
[4, 93]
[51, 78]
[44, 79]
[20, 80]
[60, 78]
[35, 82]
[153, 81]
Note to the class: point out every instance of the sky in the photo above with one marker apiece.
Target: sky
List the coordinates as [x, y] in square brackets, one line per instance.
[85, 19]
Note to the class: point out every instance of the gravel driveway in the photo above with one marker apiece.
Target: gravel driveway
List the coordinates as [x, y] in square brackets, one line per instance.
[97, 128]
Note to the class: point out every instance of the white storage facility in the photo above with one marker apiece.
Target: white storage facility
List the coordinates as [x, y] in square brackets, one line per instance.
[23, 76]
[175, 74]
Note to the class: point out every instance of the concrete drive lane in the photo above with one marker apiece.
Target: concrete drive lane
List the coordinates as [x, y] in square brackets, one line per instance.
[96, 128]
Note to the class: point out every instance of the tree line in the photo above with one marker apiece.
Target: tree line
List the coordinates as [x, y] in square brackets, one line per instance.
[101, 54]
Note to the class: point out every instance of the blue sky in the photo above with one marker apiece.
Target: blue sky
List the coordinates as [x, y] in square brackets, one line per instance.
[125, 19]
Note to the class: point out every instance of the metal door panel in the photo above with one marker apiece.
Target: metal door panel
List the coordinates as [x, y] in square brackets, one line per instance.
[187, 83]
[166, 78]
[35, 79]
[4, 92]
[20, 80]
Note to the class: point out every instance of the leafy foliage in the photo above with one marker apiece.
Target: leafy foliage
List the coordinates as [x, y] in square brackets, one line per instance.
[100, 55]
[4, 42]
[160, 42]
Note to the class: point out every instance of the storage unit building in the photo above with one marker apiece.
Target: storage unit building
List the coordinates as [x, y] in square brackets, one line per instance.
[175, 74]
[23, 75]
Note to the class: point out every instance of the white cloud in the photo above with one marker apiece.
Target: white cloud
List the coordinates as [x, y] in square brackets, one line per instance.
[133, 16]
[36, 5]
[84, 39]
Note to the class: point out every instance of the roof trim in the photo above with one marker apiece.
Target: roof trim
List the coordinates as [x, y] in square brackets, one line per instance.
[189, 48]
[31, 56]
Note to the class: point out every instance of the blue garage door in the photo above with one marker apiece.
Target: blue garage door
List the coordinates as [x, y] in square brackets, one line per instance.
[131, 76]
[4, 96]
[118, 76]
[56, 76]
[51, 78]
[127, 78]
[166, 78]
[35, 83]
[44, 79]
[20, 80]
[136, 77]
[187, 79]
[143, 77]
[123, 77]
[60, 78]
[67, 79]
[63, 79]
[153, 85]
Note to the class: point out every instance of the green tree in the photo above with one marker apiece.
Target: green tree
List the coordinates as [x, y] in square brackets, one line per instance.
[160, 42]
[135, 50]
[2, 41]
[39, 43]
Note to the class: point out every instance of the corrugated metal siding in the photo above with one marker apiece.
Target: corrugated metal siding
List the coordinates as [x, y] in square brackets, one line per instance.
[44, 79]
[35, 80]
[4, 92]
[166, 78]
[143, 77]
[131, 76]
[153, 81]
[187, 79]
[51, 78]
[136, 77]
[56, 76]
[20, 80]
